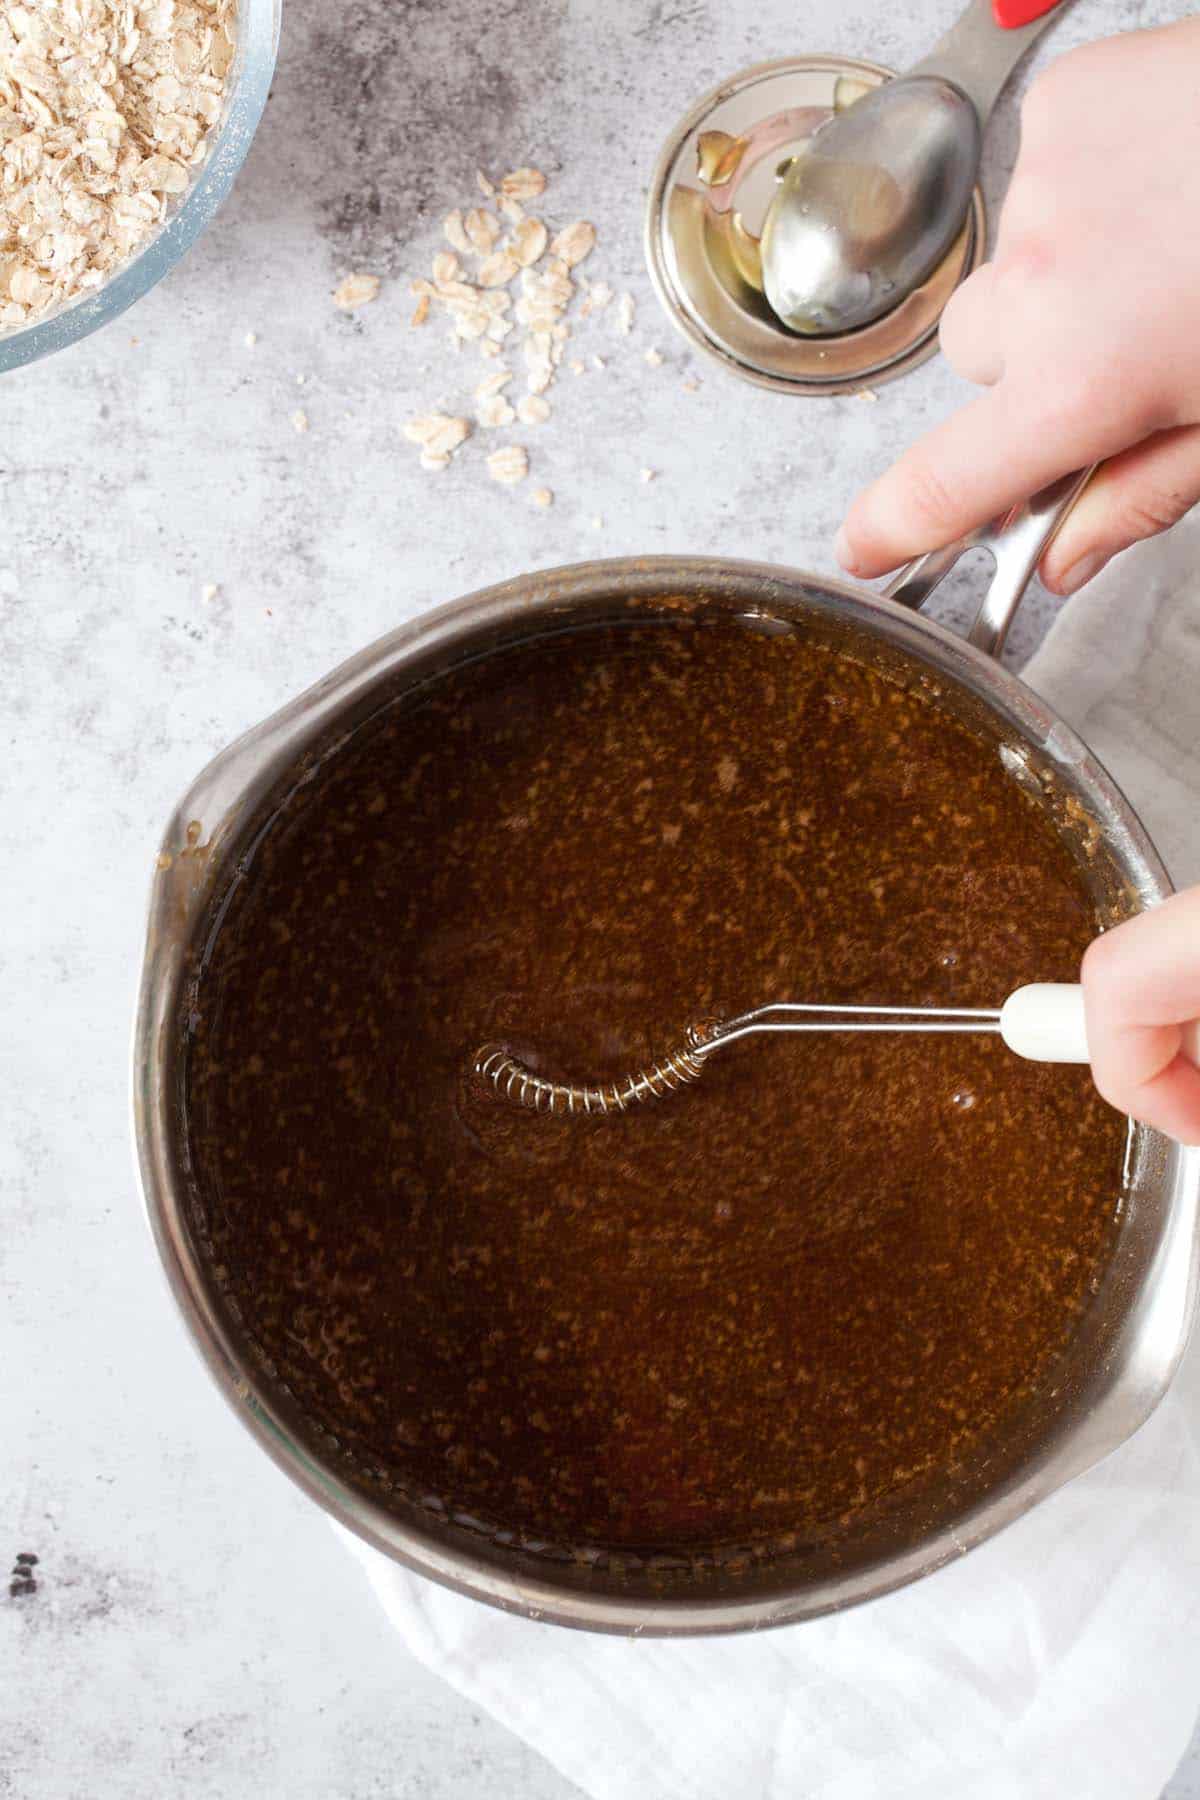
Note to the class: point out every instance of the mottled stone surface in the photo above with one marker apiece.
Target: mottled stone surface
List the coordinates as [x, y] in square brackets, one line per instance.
[195, 1629]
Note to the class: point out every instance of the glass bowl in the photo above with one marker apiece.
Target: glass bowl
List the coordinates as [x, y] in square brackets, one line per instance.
[253, 68]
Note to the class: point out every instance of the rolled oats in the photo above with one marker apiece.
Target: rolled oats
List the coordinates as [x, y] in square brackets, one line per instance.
[497, 270]
[532, 409]
[508, 465]
[523, 184]
[482, 228]
[106, 111]
[576, 242]
[356, 291]
[493, 411]
[455, 232]
[529, 241]
[437, 433]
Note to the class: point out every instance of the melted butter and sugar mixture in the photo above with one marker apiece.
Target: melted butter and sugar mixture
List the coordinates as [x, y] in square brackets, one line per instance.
[777, 1302]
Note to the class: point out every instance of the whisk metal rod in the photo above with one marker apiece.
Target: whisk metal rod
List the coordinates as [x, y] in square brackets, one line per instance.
[514, 1080]
[801, 1016]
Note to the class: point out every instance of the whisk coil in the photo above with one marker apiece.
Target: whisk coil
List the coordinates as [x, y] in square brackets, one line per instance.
[514, 1081]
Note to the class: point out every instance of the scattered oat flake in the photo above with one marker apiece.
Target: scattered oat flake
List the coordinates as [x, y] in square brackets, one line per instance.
[529, 241]
[497, 270]
[455, 233]
[437, 433]
[445, 267]
[300, 421]
[648, 474]
[866, 394]
[356, 291]
[482, 228]
[491, 384]
[626, 310]
[523, 184]
[435, 459]
[598, 295]
[542, 497]
[487, 188]
[574, 243]
[250, 339]
[420, 311]
[654, 358]
[508, 465]
[493, 411]
[513, 211]
[532, 409]
[691, 386]
[209, 591]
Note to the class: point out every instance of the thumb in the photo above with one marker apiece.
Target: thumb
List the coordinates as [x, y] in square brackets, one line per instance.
[1141, 987]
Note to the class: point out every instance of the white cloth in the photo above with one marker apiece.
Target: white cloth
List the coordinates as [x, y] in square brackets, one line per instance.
[1057, 1659]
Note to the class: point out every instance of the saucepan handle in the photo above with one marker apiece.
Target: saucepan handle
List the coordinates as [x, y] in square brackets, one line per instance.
[1017, 541]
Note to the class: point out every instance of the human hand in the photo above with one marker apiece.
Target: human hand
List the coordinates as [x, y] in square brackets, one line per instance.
[1141, 985]
[1082, 327]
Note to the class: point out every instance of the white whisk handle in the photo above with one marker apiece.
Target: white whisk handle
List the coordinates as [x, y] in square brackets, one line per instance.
[1044, 1023]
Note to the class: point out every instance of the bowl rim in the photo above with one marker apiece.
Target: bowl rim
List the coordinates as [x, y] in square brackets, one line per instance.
[259, 23]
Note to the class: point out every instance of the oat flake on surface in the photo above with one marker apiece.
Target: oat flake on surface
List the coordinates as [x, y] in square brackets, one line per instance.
[575, 243]
[106, 110]
[542, 497]
[493, 411]
[523, 184]
[508, 465]
[356, 291]
[437, 434]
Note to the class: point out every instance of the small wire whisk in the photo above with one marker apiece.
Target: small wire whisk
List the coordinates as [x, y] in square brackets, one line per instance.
[1043, 1022]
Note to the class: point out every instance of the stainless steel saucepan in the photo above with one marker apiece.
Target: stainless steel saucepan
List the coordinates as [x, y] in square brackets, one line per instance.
[1129, 1342]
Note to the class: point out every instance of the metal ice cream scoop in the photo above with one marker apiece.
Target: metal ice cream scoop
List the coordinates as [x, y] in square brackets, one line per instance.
[873, 204]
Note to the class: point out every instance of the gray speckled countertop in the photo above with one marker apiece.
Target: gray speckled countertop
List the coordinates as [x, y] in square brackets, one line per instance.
[196, 1629]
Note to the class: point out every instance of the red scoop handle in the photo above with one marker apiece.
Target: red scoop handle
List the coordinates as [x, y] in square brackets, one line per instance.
[1009, 14]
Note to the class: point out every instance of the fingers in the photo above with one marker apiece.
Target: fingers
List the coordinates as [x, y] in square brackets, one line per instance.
[1141, 984]
[999, 449]
[1143, 491]
[971, 332]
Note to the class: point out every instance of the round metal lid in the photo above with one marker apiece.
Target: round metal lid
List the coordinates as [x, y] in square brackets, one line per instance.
[710, 192]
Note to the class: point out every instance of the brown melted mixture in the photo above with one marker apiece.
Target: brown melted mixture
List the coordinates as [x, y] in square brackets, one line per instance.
[761, 1307]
